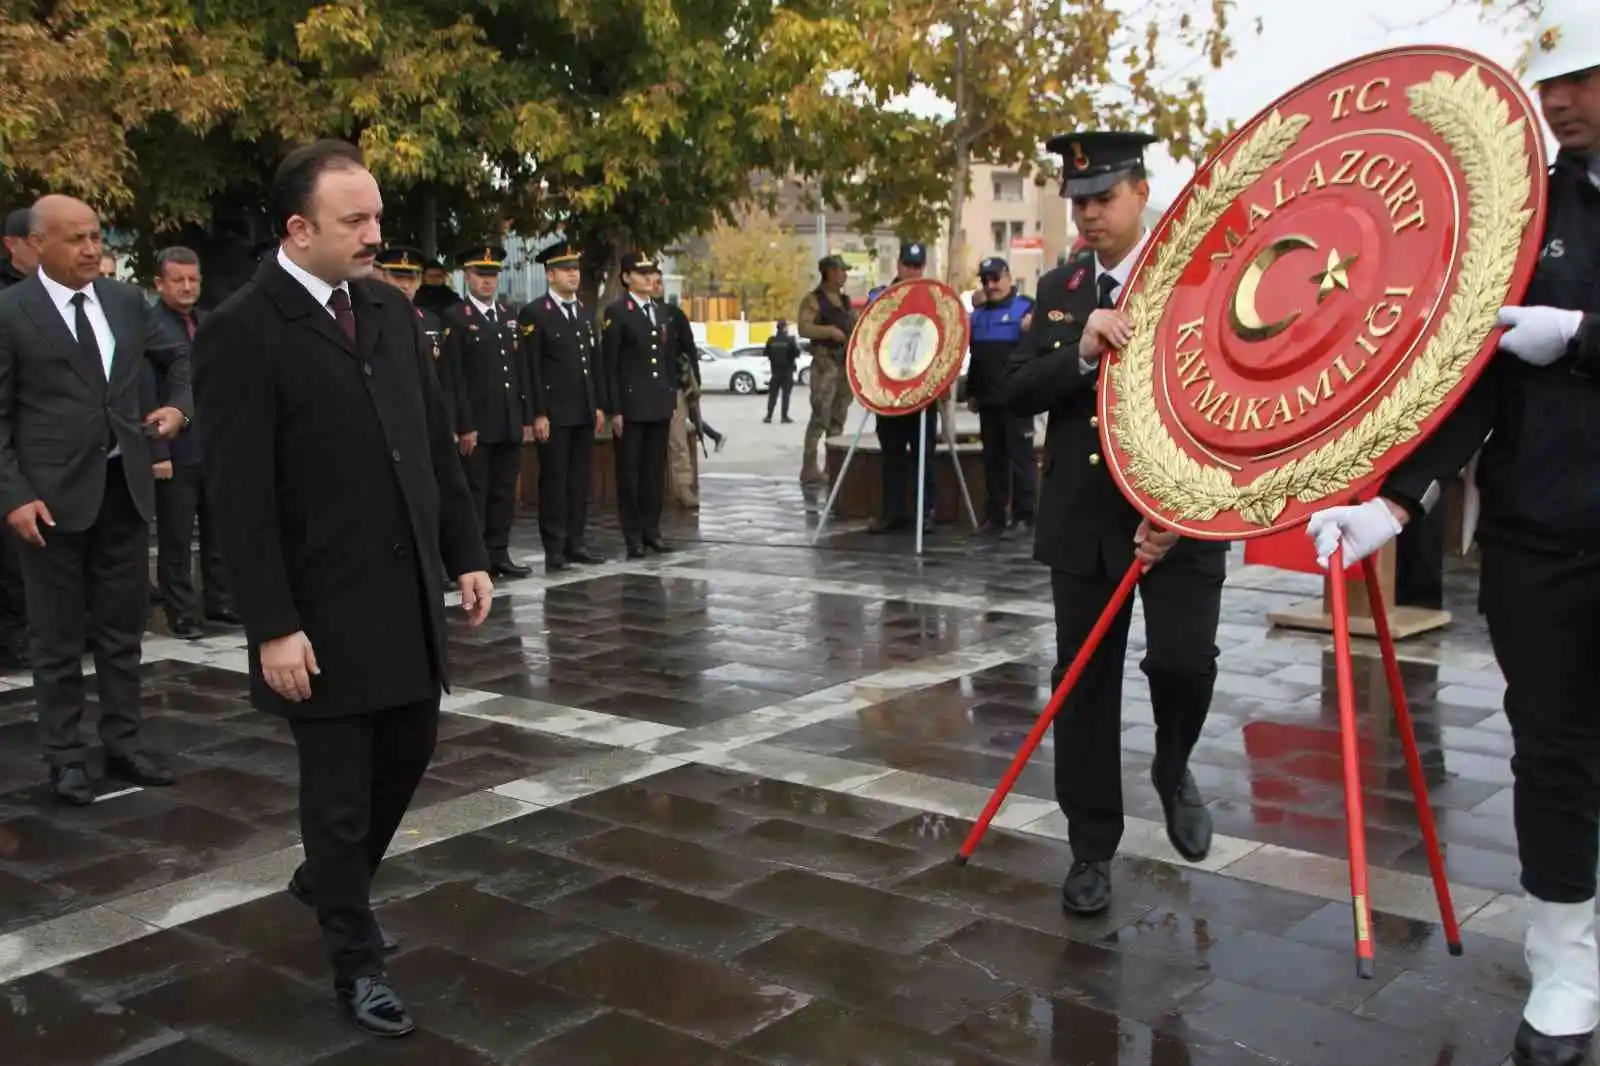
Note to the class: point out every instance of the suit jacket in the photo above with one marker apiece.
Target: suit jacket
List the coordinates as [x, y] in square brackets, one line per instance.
[184, 449]
[60, 415]
[1084, 525]
[563, 362]
[489, 378]
[336, 487]
[640, 362]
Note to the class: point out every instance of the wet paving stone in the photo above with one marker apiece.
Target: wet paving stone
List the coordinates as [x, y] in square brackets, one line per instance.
[141, 965]
[621, 1040]
[825, 851]
[44, 1021]
[516, 873]
[667, 918]
[681, 863]
[662, 812]
[688, 994]
[183, 1053]
[422, 1048]
[823, 1031]
[855, 912]
[486, 927]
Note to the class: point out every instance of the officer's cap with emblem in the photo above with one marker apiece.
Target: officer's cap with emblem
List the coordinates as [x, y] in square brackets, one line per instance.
[1094, 162]
[399, 261]
[913, 254]
[1566, 39]
[993, 267]
[560, 254]
[640, 263]
[484, 258]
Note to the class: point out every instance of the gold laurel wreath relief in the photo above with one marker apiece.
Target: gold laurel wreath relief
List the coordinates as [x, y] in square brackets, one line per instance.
[870, 331]
[1475, 122]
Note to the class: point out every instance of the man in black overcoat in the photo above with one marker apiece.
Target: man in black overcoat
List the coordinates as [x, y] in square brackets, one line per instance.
[337, 491]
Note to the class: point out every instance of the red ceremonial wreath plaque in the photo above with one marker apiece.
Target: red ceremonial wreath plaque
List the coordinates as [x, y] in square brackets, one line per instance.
[908, 346]
[1324, 292]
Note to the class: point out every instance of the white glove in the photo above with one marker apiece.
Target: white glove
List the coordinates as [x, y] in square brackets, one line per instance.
[1362, 530]
[1538, 335]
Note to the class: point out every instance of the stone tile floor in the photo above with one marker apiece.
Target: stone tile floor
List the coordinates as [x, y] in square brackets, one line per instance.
[702, 809]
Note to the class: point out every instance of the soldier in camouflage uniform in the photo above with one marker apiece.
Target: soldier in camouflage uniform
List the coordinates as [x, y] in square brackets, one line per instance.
[825, 319]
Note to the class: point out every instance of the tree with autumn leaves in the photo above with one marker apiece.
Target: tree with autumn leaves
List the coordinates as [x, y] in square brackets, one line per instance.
[621, 122]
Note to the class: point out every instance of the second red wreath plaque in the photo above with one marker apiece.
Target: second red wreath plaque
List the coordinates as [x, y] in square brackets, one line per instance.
[1324, 292]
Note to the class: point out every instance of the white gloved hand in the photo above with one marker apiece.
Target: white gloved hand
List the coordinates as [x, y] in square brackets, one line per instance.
[1538, 335]
[1361, 529]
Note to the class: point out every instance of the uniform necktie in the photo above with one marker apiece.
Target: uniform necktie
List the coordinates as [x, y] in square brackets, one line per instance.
[489, 314]
[566, 309]
[86, 338]
[339, 301]
[188, 325]
[1108, 285]
[650, 312]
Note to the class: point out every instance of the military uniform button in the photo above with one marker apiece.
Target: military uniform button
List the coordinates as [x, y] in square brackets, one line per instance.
[1094, 420]
[1094, 458]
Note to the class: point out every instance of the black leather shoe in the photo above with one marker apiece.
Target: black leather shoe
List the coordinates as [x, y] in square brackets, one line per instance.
[636, 551]
[582, 557]
[187, 629]
[888, 525]
[1087, 889]
[139, 768]
[226, 616]
[71, 784]
[659, 546]
[1188, 821]
[302, 895]
[553, 566]
[1533, 1048]
[375, 1006]
[506, 568]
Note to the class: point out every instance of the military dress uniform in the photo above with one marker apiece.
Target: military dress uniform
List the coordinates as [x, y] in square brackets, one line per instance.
[561, 349]
[494, 401]
[1085, 533]
[642, 380]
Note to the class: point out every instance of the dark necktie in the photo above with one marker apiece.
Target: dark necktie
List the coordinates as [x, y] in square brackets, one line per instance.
[188, 325]
[650, 312]
[566, 309]
[339, 301]
[87, 343]
[1107, 285]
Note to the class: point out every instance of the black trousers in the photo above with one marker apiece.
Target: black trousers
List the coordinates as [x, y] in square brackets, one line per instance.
[1009, 471]
[90, 590]
[897, 436]
[565, 463]
[1419, 562]
[782, 383]
[13, 597]
[357, 775]
[1182, 601]
[179, 500]
[641, 479]
[492, 475]
[1544, 621]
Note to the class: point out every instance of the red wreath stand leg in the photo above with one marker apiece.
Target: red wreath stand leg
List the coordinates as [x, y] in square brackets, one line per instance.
[1354, 820]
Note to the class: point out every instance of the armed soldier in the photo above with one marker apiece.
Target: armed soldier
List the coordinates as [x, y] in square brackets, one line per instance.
[825, 319]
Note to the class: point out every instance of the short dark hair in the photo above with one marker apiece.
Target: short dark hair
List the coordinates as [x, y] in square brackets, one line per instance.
[297, 176]
[177, 254]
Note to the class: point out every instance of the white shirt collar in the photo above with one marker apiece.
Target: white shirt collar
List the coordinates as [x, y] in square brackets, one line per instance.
[320, 290]
[483, 308]
[1124, 268]
[62, 296]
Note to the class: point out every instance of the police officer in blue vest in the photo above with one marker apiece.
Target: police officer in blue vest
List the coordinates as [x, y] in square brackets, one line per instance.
[999, 317]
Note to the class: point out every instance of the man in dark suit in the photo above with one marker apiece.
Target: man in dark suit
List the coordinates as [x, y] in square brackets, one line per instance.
[76, 484]
[641, 394]
[181, 497]
[562, 353]
[328, 448]
[898, 434]
[1089, 535]
[19, 263]
[494, 405]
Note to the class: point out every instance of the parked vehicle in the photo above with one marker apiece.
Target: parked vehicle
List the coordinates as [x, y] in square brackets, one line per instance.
[737, 372]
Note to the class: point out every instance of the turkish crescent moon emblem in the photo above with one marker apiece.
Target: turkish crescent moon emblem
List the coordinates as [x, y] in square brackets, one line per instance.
[1242, 313]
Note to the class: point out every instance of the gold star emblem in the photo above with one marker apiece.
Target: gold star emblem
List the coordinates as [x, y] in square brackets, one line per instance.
[1336, 276]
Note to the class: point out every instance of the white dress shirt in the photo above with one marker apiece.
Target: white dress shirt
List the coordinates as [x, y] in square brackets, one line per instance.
[320, 290]
[1120, 273]
[488, 311]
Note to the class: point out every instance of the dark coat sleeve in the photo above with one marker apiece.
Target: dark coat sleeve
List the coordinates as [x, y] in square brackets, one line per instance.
[15, 489]
[530, 342]
[525, 383]
[1449, 447]
[459, 540]
[1043, 371]
[167, 347]
[237, 390]
[149, 400]
[1586, 348]
[610, 354]
[450, 359]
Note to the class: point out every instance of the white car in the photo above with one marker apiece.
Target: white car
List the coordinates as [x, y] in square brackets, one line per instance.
[739, 372]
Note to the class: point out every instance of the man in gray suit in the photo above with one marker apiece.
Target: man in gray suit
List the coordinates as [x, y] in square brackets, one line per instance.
[76, 484]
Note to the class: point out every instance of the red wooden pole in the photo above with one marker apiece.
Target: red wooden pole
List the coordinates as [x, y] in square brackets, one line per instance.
[1080, 662]
[1355, 823]
[1408, 739]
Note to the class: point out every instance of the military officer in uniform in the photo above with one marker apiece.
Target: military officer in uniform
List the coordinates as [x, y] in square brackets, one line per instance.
[1089, 535]
[897, 434]
[402, 268]
[494, 405]
[641, 394]
[562, 355]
